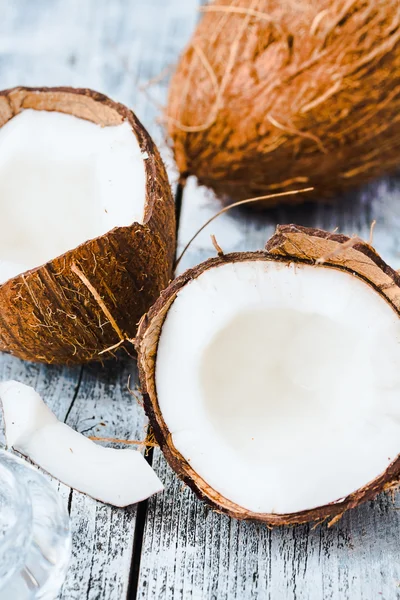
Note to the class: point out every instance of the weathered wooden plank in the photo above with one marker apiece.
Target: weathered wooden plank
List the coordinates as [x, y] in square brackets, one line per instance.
[113, 47]
[191, 552]
[103, 535]
[94, 401]
[242, 229]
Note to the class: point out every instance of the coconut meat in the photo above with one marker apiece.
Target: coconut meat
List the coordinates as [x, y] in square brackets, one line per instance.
[63, 181]
[280, 384]
[118, 477]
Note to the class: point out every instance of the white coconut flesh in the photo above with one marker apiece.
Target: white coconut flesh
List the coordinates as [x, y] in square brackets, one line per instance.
[118, 477]
[63, 181]
[280, 384]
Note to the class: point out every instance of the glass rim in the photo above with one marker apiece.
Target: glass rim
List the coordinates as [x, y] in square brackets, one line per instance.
[21, 505]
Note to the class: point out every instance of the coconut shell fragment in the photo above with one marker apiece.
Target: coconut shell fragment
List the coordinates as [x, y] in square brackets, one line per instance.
[271, 96]
[292, 247]
[82, 305]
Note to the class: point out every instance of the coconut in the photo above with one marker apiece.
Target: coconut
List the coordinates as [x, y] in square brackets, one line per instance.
[271, 378]
[117, 477]
[270, 96]
[88, 224]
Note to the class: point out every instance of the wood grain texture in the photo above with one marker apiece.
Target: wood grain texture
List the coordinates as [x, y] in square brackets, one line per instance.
[95, 401]
[191, 552]
[188, 551]
[113, 47]
[103, 535]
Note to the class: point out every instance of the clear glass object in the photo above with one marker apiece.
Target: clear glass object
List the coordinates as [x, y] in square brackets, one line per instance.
[35, 537]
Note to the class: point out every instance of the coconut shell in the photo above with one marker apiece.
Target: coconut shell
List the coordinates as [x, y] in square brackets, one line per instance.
[271, 96]
[290, 244]
[81, 305]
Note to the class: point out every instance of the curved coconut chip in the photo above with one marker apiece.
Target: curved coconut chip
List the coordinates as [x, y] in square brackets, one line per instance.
[79, 306]
[117, 477]
[290, 245]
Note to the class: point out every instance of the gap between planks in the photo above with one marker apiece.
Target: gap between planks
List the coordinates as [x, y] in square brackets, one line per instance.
[142, 507]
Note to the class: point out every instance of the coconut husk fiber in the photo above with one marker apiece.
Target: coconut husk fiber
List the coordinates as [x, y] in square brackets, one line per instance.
[83, 305]
[270, 96]
[290, 244]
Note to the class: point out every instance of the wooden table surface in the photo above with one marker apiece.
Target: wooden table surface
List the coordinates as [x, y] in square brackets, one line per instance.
[173, 546]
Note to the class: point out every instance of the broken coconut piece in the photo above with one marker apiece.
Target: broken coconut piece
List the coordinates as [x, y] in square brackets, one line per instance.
[272, 381]
[88, 224]
[117, 477]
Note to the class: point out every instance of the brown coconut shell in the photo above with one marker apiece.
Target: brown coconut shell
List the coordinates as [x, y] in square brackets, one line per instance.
[81, 305]
[271, 96]
[290, 244]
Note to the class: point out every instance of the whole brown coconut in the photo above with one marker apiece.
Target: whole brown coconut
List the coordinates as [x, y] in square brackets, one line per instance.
[291, 248]
[272, 95]
[83, 304]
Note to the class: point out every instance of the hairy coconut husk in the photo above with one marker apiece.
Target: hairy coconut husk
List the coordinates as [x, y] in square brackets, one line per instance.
[290, 244]
[81, 305]
[270, 96]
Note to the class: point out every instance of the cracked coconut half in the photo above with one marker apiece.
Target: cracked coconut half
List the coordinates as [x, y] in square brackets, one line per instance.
[272, 378]
[88, 225]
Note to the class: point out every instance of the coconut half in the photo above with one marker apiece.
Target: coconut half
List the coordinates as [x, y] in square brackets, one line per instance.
[117, 477]
[87, 224]
[272, 379]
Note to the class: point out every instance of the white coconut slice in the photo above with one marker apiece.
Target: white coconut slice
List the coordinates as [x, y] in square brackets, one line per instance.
[273, 382]
[117, 477]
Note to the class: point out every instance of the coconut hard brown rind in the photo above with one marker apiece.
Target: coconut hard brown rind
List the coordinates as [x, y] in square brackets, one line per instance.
[77, 306]
[290, 244]
[271, 96]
